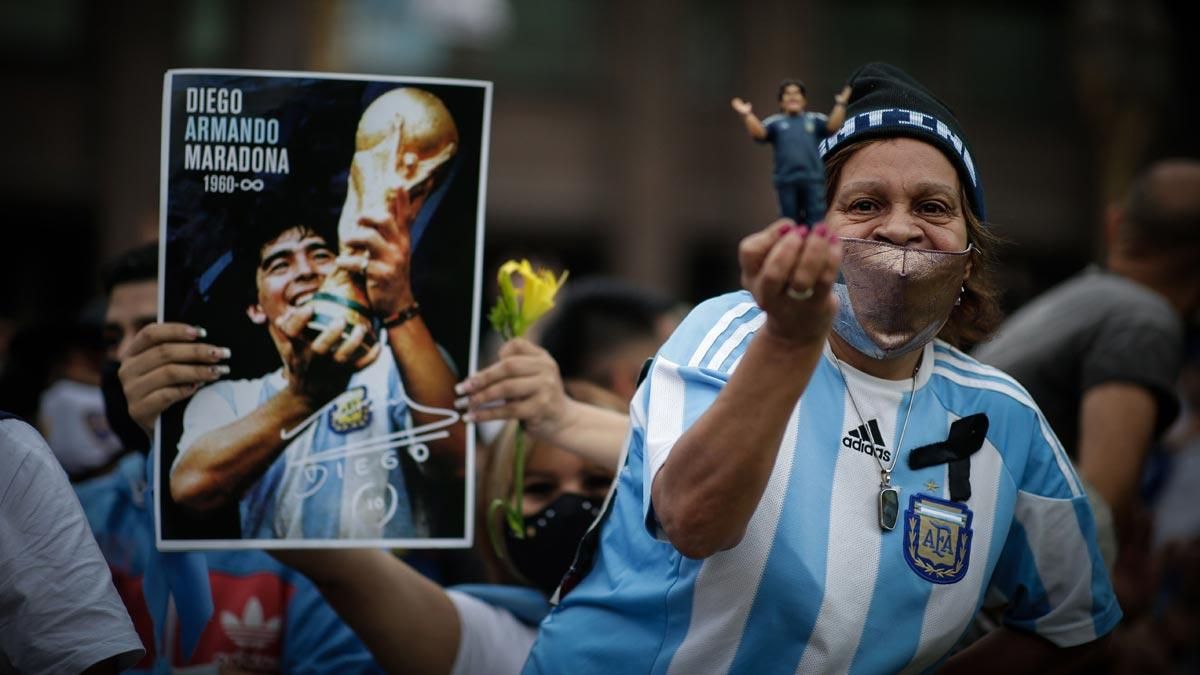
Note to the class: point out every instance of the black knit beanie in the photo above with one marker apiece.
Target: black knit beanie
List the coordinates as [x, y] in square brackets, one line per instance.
[886, 102]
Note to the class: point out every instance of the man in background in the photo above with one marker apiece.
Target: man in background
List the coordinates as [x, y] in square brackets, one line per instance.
[266, 617]
[1101, 352]
[603, 330]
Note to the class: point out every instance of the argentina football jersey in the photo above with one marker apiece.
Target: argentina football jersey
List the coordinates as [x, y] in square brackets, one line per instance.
[816, 584]
[342, 476]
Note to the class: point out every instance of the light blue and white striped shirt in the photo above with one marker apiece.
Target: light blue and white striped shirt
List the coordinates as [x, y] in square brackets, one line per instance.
[342, 476]
[815, 585]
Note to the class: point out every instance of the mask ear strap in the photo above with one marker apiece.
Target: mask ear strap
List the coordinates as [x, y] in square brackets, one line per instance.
[962, 289]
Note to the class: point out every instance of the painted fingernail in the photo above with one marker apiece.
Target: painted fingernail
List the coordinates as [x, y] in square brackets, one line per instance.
[220, 370]
[221, 352]
[833, 238]
[801, 231]
[469, 417]
[821, 230]
[198, 332]
[461, 402]
[785, 228]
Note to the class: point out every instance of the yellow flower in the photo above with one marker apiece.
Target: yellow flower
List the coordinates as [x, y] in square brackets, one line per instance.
[540, 289]
[518, 308]
[515, 311]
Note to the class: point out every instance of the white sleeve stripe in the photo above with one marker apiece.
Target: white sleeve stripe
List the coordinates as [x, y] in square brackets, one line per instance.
[964, 362]
[736, 339]
[1005, 383]
[665, 415]
[1063, 562]
[1060, 456]
[1022, 395]
[729, 581]
[961, 360]
[637, 413]
[719, 327]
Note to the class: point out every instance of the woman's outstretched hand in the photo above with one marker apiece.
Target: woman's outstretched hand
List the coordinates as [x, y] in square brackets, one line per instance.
[790, 269]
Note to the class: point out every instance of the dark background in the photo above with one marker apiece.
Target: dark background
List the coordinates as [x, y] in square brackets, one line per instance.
[614, 149]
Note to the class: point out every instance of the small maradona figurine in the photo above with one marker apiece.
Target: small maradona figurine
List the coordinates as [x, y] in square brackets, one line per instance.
[799, 174]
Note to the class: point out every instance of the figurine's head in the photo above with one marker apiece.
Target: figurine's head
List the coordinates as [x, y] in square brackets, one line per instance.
[792, 97]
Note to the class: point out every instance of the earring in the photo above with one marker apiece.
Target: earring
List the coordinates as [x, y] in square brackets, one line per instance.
[961, 290]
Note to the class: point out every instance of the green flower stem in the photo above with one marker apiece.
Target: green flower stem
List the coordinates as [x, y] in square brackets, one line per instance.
[516, 519]
[493, 531]
[512, 511]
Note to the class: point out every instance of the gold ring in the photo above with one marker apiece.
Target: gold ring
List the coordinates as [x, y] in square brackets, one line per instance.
[799, 296]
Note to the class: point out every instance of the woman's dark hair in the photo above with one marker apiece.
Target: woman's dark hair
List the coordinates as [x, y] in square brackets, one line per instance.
[978, 314]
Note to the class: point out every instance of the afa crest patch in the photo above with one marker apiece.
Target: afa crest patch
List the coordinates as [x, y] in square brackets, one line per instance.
[937, 538]
[351, 411]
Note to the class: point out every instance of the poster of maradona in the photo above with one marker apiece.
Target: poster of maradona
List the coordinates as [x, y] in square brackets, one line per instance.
[323, 235]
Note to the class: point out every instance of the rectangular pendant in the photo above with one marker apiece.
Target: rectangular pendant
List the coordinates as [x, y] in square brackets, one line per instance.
[889, 507]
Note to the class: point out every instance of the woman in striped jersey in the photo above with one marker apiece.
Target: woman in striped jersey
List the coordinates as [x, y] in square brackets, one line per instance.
[817, 479]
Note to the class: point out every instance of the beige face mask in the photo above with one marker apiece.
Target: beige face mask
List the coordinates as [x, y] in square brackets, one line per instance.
[893, 300]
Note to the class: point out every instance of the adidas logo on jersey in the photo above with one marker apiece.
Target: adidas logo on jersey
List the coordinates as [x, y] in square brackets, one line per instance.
[866, 438]
[250, 630]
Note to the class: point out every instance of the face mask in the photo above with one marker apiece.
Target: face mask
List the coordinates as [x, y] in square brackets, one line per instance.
[551, 537]
[893, 300]
[72, 414]
[116, 409]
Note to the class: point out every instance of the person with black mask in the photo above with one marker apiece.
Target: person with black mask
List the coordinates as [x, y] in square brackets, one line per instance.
[480, 628]
[576, 431]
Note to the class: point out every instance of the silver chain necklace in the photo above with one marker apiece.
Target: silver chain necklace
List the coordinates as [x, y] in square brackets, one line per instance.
[889, 495]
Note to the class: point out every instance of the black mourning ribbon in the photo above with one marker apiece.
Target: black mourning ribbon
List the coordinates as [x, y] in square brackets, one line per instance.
[645, 370]
[966, 438]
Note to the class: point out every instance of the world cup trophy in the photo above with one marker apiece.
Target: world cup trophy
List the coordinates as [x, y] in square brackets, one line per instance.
[403, 146]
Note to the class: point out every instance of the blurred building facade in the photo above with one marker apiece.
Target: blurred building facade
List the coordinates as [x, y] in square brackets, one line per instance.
[614, 149]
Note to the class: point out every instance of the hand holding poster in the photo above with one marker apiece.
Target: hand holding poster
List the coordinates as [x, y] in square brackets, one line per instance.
[326, 230]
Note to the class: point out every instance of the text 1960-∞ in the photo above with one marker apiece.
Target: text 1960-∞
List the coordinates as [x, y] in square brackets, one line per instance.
[230, 184]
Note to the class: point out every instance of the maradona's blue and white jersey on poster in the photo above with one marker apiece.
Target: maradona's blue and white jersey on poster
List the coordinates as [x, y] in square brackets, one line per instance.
[342, 476]
[815, 585]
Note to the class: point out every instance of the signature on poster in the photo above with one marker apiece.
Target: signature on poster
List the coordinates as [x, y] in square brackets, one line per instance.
[383, 448]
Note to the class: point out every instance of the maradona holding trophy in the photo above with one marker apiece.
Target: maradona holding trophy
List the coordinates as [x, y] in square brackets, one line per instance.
[346, 286]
